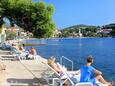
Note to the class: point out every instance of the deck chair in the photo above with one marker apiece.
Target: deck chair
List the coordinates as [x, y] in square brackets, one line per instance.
[17, 54]
[51, 74]
[12, 54]
[84, 84]
[5, 46]
[78, 83]
[74, 82]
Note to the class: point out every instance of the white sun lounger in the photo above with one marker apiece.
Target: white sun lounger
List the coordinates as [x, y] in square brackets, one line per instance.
[51, 74]
[83, 83]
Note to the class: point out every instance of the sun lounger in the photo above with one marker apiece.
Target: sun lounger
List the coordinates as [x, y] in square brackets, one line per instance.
[5, 46]
[14, 52]
[18, 54]
[84, 84]
[78, 83]
[51, 74]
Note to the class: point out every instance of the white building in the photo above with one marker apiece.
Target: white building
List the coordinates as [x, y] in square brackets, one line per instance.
[56, 33]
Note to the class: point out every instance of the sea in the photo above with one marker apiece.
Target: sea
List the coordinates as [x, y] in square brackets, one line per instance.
[77, 50]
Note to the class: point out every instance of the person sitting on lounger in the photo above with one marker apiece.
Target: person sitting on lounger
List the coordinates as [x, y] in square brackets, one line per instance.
[32, 53]
[51, 62]
[58, 68]
[21, 49]
[90, 74]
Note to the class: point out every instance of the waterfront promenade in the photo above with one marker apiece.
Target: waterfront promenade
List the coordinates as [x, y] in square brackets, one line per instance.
[23, 73]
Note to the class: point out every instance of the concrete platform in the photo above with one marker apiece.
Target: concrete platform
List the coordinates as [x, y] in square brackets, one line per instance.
[23, 73]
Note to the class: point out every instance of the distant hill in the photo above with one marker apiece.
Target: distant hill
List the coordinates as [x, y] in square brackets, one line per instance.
[79, 26]
[110, 26]
[88, 30]
[73, 31]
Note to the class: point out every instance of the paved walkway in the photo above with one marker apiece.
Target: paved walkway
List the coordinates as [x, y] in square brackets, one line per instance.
[23, 73]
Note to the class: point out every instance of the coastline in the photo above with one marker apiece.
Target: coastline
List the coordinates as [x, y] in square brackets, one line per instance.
[68, 38]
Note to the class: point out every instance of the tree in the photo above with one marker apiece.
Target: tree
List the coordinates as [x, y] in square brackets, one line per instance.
[18, 11]
[112, 33]
[42, 18]
[33, 17]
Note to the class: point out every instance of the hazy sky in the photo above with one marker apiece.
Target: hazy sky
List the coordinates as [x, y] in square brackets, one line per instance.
[91, 12]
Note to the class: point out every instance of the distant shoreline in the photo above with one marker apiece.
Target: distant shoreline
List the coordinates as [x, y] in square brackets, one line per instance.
[77, 37]
[29, 44]
[65, 38]
[42, 44]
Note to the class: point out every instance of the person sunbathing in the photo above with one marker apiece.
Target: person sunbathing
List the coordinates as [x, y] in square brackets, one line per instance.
[21, 49]
[90, 74]
[33, 51]
[51, 62]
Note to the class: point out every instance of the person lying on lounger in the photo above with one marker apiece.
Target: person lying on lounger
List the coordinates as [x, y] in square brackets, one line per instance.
[51, 62]
[58, 68]
[90, 74]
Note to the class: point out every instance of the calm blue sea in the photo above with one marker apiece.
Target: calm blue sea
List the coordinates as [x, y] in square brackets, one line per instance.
[77, 49]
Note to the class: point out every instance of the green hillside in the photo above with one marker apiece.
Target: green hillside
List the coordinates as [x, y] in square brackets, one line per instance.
[88, 30]
[79, 26]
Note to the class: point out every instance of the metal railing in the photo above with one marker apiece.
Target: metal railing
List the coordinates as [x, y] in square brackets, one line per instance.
[65, 58]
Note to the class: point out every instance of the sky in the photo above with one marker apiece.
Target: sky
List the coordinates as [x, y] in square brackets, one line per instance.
[90, 12]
